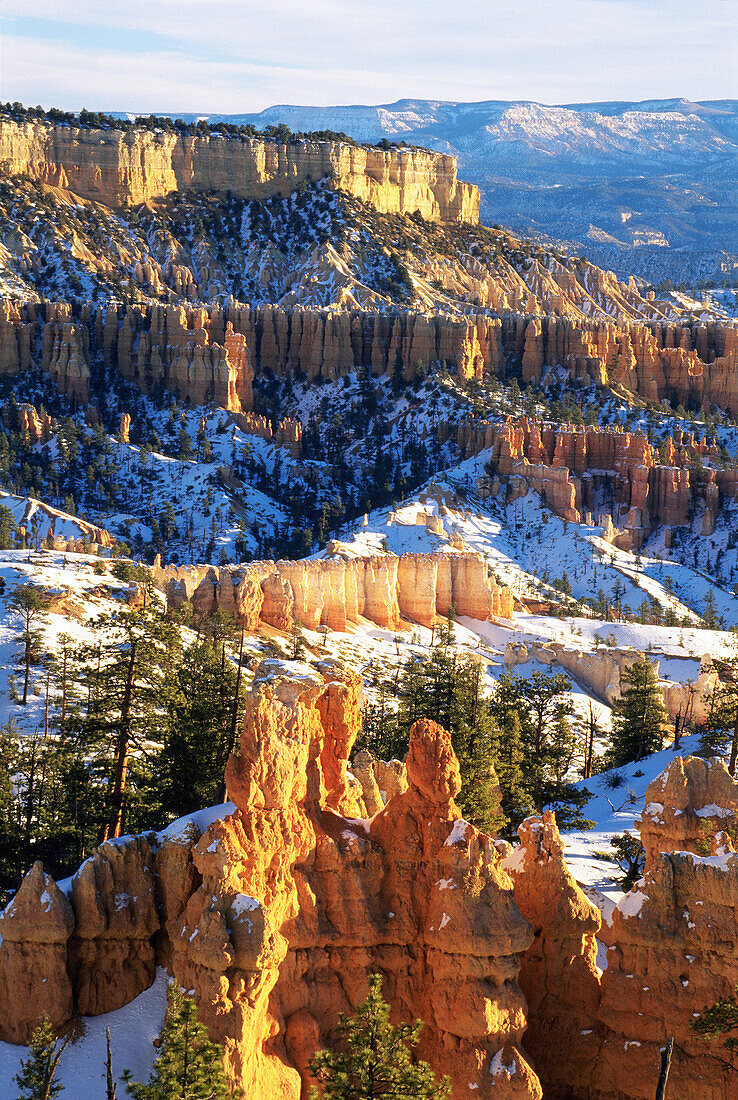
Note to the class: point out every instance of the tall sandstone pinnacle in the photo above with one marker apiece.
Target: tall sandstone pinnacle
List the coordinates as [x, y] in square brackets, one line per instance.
[278, 913]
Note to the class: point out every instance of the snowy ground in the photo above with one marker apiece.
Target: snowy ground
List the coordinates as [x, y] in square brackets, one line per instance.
[529, 548]
[614, 811]
[133, 1029]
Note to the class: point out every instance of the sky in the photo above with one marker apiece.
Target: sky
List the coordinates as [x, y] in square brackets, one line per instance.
[234, 56]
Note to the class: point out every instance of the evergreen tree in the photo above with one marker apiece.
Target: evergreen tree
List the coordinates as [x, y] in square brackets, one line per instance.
[534, 768]
[717, 1020]
[9, 866]
[122, 720]
[188, 1066]
[447, 688]
[710, 616]
[638, 717]
[29, 603]
[37, 1076]
[720, 733]
[188, 773]
[376, 1060]
[8, 528]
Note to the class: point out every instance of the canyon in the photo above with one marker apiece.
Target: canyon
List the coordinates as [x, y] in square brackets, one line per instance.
[274, 909]
[121, 169]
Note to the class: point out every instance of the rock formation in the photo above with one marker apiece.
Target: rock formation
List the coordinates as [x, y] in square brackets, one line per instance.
[212, 352]
[609, 472]
[120, 169]
[279, 912]
[41, 525]
[34, 930]
[686, 806]
[559, 971]
[674, 954]
[339, 590]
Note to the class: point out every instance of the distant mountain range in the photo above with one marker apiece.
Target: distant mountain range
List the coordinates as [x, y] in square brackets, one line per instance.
[646, 188]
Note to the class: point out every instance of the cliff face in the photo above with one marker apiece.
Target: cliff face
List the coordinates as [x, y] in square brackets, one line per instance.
[672, 950]
[120, 169]
[611, 474]
[383, 589]
[212, 352]
[558, 971]
[276, 914]
[673, 941]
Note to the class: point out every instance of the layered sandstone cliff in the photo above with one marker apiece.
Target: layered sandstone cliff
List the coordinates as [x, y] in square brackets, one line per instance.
[335, 592]
[276, 915]
[212, 352]
[559, 973]
[120, 169]
[674, 944]
[598, 1035]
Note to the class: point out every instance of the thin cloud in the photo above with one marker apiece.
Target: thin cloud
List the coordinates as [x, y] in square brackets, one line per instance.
[233, 56]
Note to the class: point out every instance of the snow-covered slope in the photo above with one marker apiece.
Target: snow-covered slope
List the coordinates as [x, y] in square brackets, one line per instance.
[645, 188]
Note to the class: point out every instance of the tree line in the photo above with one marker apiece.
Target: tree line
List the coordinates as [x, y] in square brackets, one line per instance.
[135, 729]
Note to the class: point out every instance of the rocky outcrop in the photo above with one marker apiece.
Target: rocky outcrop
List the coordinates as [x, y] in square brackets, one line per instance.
[347, 897]
[41, 525]
[278, 913]
[686, 806]
[193, 351]
[120, 169]
[601, 671]
[339, 590]
[558, 973]
[684, 364]
[111, 953]
[34, 930]
[610, 473]
[598, 1035]
[674, 954]
[26, 420]
[379, 780]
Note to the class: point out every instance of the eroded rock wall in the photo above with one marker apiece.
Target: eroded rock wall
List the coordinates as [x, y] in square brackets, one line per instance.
[337, 591]
[278, 913]
[558, 973]
[121, 169]
[608, 473]
[211, 352]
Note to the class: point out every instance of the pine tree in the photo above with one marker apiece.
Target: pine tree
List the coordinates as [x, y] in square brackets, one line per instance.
[8, 528]
[188, 772]
[122, 724]
[37, 1076]
[189, 1066]
[30, 604]
[376, 1060]
[710, 616]
[638, 717]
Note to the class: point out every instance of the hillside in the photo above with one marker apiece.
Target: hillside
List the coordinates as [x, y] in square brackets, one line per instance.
[647, 189]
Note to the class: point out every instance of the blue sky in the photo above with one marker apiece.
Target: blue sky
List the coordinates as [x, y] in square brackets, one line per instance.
[231, 56]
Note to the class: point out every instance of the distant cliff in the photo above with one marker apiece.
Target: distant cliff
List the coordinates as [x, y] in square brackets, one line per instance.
[120, 169]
